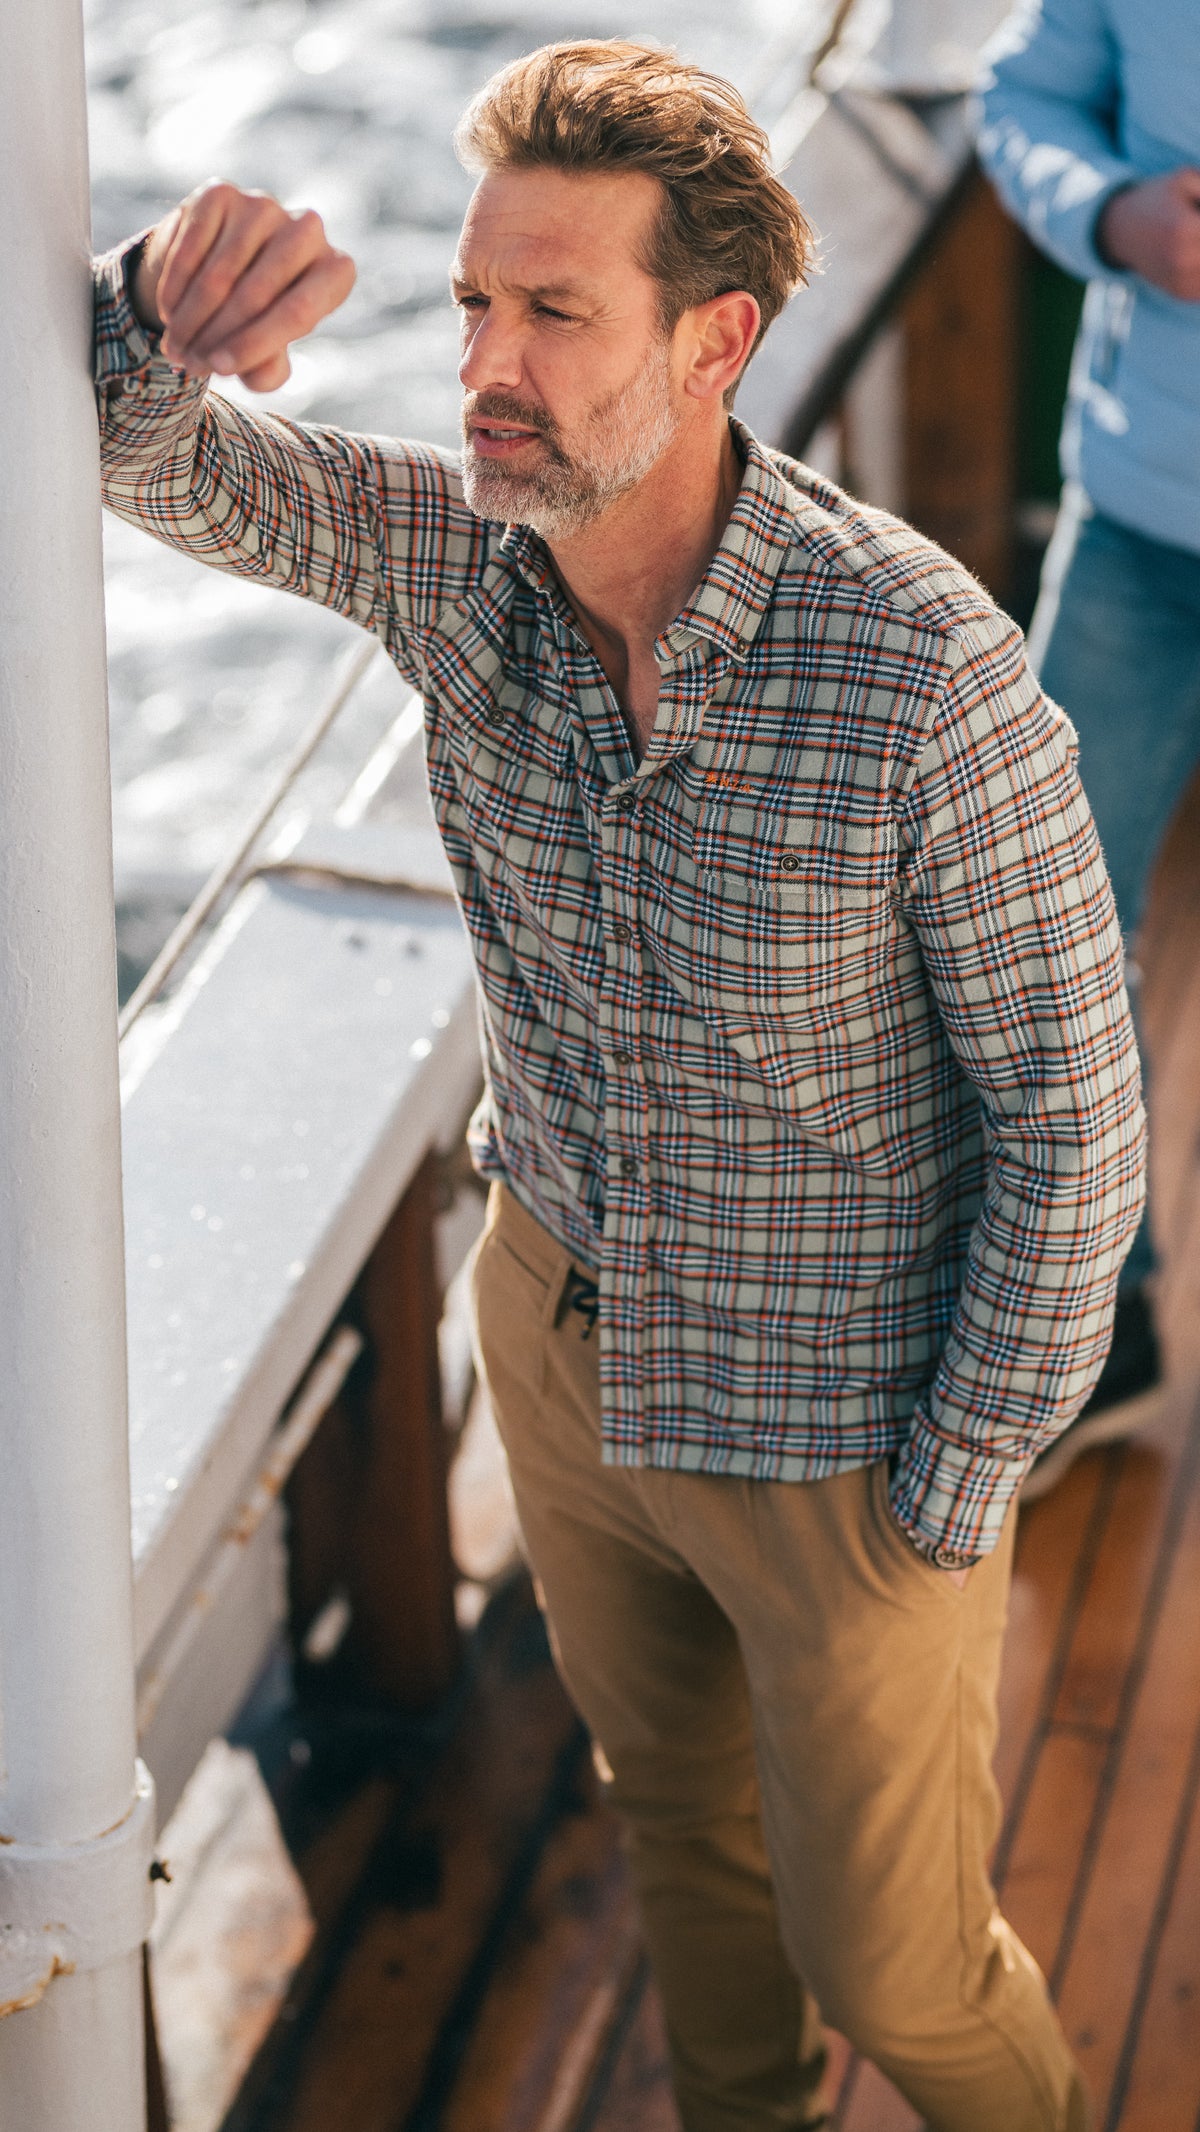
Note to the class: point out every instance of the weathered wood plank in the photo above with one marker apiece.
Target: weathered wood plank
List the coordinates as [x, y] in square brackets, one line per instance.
[1049, 1848]
[1055, 1541]
[570, 1962]
[1106, 1632]
[1148, 1776]
[431, 1912]
[1163, 2094]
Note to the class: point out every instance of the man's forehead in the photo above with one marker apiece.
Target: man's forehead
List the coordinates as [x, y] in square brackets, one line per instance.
[550, 231]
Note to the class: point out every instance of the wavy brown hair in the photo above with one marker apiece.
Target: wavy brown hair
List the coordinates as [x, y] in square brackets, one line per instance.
[726, 221]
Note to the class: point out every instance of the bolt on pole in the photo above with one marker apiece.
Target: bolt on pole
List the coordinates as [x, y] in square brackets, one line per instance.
[74, 1822]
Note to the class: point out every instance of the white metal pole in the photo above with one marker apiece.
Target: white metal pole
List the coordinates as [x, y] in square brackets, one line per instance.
[73, 1825]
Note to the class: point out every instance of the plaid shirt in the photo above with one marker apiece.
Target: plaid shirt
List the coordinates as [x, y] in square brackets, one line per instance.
[807, 1032]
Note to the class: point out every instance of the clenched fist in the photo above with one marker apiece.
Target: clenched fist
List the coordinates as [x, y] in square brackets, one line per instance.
[231, 278]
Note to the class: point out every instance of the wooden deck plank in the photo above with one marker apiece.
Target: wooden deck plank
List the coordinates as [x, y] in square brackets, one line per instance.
[377, 2022]
[1055, 1541]
[570, 1959]
[376, 2053]
[1049, 1850]
[1163, 2094]
[1106, 1632]
[1140, 1807]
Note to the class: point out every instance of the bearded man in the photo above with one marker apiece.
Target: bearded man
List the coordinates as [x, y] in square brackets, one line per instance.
[812, 1107]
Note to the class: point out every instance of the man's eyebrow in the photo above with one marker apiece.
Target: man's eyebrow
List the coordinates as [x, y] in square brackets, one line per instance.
[558, 289]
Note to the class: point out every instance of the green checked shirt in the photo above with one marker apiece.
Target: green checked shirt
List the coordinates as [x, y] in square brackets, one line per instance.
[807, 1033]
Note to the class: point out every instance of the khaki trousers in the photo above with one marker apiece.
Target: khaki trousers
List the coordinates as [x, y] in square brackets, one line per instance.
[798, 1716]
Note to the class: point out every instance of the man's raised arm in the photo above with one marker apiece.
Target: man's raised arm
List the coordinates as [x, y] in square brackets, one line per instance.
[224, 285]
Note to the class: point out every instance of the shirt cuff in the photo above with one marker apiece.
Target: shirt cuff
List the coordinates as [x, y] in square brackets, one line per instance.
[1104, 266]
[128, 356]
[123, 346]
[950, 1498]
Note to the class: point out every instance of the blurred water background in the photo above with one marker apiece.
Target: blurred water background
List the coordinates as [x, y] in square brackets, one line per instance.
[347, 106]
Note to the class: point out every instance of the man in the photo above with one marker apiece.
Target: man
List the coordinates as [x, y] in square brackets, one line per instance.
[1090, 127]
[809, 1070]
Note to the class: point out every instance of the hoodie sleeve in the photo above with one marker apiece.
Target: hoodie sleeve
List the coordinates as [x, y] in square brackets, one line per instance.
[1046, 126]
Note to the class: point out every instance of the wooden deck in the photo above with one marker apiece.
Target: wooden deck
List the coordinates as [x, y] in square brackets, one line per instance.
[476, 1965]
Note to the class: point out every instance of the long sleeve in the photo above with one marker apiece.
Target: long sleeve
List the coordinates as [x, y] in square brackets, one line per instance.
[1047, 125]
[372, 527]
[1005, 888]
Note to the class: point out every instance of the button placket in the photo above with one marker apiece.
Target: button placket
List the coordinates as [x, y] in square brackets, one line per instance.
[628, 1198]
[626, 1106]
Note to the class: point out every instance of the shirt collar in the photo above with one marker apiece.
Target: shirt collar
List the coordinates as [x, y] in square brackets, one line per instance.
[736, 590]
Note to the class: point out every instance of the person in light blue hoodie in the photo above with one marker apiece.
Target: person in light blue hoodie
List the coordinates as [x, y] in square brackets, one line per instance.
[1089, 126]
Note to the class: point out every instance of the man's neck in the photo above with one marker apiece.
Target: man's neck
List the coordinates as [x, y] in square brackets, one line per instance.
[628, 575]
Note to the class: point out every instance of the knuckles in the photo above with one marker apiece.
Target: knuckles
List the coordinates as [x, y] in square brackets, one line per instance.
[277, 234]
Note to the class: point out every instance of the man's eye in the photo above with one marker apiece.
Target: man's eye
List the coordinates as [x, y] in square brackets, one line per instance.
[564, 318]
[470, 303]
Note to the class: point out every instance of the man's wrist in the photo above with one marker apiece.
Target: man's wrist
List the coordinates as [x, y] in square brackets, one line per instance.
[135, 285]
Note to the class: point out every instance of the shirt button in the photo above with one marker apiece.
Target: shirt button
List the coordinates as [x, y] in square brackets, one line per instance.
[497, 714]
[627, 1166]
[623, 1058]
[627, 801]
[789, 863]
[622, 933]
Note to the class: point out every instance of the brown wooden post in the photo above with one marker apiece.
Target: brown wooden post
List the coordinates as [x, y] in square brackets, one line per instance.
[403, 1637]
[367, 1502]
[320, 1498]
[960, 323]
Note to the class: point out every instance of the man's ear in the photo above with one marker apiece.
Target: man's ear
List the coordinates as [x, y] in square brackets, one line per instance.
[722, 333]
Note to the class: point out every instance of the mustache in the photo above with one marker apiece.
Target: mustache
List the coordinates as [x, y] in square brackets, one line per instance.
[506, 407]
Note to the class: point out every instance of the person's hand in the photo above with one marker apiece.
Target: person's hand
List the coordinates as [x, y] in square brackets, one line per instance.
[1153, 229]
[231, 278]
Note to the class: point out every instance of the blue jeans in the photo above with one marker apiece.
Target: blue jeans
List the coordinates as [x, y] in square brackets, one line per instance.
[1116, 641]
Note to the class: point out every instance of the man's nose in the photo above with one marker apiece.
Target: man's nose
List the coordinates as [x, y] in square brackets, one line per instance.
[492, 359]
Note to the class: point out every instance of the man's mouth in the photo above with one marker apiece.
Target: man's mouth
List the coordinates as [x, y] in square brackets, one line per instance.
[497, 440]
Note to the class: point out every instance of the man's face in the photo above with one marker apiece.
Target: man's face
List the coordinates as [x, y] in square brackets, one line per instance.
[569, 393]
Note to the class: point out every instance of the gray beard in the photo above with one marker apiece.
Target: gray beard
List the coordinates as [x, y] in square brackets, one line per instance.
[625, 436]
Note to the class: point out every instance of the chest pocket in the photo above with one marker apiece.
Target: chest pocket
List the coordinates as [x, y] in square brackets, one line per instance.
[786, 930]
[511, 772]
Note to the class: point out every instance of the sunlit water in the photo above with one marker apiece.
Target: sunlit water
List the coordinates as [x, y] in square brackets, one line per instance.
[348, 106]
